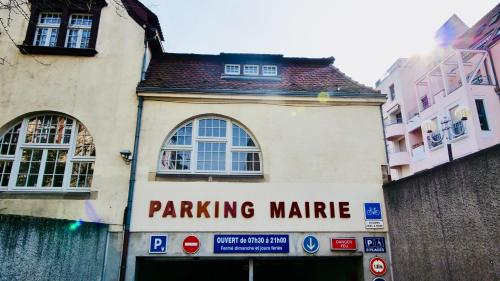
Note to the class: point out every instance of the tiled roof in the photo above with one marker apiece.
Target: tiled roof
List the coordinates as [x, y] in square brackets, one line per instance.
[206, 72]
[482, 28]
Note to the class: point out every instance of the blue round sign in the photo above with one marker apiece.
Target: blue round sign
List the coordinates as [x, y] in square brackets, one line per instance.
[310, 244]
[379, 279]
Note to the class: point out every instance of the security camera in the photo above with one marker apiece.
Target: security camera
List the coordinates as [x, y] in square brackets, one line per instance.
[126, 155]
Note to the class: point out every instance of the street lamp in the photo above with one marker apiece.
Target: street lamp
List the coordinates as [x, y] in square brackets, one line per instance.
[449, 129]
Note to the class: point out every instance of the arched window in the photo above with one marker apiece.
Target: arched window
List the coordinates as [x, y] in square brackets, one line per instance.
[47, 153]
[210, 145]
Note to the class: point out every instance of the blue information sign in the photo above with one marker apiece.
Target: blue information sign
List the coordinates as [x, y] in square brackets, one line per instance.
[374, 244]
[373, 211]
[251, 243]
[158, 244]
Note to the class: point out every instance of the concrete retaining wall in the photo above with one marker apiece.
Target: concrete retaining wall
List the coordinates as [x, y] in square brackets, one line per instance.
[444, 223]
[47, 249]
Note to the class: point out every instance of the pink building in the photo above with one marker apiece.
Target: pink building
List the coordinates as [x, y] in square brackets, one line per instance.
[445, 105]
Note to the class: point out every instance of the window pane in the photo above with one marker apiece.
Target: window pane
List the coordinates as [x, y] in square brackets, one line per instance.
[8, 142]
[481, 114]
[251, 70]
[84, 142]
[245, 161]
[54, 168]
[29, 167]
[212, 128]
[269, 70]
[175, 160]
[232, 69]
[50, 19]
[47, 29]
[49, 129]
[72, 38]
[81, 20]
[79, 29]
[183, 136]
[84, 43]
[41, 36]
[241, 138]
[5, 169]
[211, 156]
[81, 174]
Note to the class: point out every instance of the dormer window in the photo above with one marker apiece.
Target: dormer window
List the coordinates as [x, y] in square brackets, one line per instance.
[269, 70]
[251, 70]
[63, 28]
[232, 69]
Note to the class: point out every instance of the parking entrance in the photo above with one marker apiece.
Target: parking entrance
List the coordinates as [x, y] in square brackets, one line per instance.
[256, 269]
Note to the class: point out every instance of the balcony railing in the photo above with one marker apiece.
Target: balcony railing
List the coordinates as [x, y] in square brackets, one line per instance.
[398, 120]
[460, 68]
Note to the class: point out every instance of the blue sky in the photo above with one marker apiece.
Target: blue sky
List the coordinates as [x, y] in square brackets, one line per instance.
[365, 37]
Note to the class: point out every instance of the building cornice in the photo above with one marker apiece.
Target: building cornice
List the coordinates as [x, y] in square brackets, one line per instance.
[255, 96]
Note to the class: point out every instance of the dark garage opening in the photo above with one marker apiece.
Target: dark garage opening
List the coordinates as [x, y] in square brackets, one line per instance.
[192, 269]
[264, 269]
[309, 269]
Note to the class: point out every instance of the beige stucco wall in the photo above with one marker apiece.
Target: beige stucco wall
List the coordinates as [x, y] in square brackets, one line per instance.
[98, 91]
[311, 151]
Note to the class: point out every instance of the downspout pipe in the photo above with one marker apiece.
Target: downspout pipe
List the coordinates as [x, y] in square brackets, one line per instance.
[133, 170]
[385, 142]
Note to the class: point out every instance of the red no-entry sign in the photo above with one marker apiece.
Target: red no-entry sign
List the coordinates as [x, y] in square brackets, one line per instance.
[191, 244]
[378, 267]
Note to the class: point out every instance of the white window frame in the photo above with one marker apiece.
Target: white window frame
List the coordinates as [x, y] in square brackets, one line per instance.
[71, 158]
[249, 66]
[226, 66]
[50, 26]
[275, 73]
[80, 29]
[193, 148]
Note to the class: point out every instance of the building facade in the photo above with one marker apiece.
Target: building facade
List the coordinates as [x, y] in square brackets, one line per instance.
[67, 109]
[257, 167]
[241, 167]
[427, 91]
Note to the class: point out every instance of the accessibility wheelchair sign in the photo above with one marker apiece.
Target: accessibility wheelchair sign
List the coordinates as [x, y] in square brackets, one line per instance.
[158, 244]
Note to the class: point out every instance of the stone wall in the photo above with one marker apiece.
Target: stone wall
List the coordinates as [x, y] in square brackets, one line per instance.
[47, 249]
[444, 223]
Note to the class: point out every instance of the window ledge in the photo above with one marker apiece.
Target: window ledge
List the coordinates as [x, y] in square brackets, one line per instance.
[161, 176]
[41, 50]
[251, 77]
[43, 194]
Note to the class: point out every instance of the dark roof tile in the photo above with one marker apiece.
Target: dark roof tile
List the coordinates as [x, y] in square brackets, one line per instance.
[205, 72]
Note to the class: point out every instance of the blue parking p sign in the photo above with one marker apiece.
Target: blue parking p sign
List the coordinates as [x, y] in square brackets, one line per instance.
[158, 244]
[374, 244]
[373, 211]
